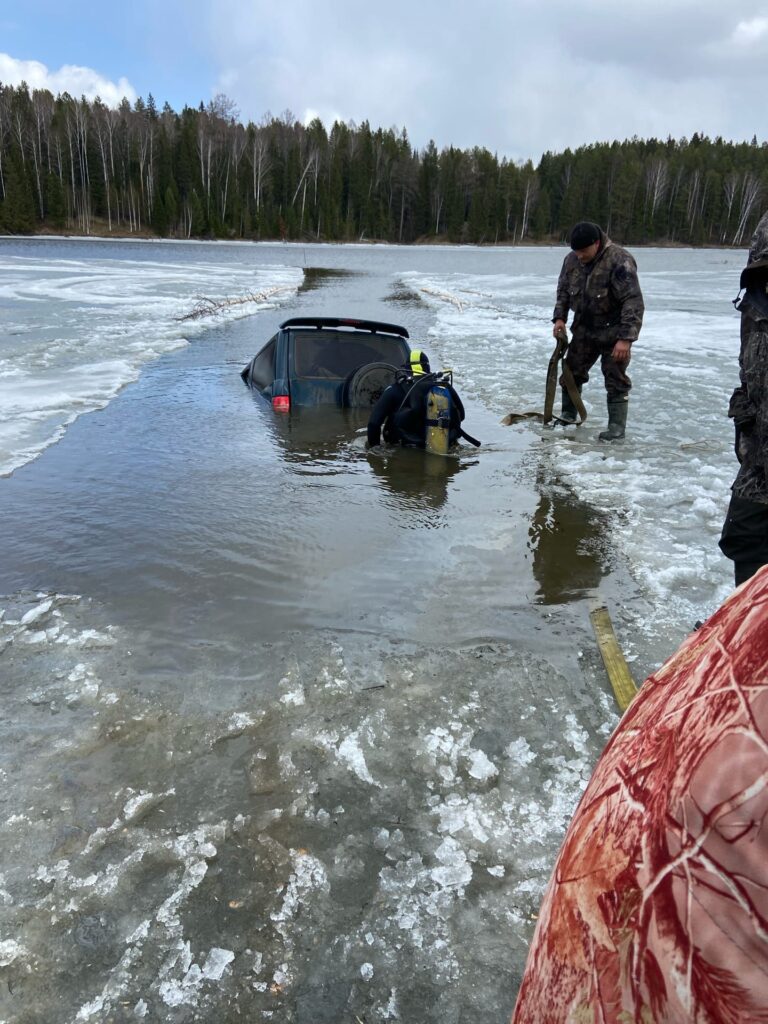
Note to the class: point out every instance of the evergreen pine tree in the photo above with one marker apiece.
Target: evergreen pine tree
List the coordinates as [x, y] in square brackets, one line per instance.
[17, 210]
[54, 200]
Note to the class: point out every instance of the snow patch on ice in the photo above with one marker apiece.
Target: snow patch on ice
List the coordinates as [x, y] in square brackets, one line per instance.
[239, 721]
[295, 697]
[11, 950]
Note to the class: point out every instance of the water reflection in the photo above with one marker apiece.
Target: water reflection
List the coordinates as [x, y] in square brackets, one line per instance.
[568, 541]
[415, 482]
[330, 442]
[324, 439]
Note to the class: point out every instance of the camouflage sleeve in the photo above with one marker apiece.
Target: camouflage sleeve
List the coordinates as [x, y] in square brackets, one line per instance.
[562, 301]
[626, 288]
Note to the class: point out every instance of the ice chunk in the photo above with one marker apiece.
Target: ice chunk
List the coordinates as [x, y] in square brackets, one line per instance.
[36, 613]
[351, 754]
[480, 766]
[217, 962]
[455, 870]
[519, 752]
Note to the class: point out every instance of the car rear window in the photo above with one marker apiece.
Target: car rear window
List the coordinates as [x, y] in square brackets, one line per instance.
[335, 354]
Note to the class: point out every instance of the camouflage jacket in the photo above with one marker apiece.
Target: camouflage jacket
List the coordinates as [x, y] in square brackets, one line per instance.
[604, 295]
[749, 403]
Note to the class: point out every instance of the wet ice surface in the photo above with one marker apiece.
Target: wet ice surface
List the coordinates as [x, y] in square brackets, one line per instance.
[375, 841]
[292, 732]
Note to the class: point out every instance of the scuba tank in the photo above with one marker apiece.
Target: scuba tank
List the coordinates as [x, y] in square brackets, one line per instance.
[430, 414]
[439, 404]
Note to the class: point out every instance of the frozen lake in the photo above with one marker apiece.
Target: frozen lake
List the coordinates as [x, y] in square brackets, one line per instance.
[291, 730]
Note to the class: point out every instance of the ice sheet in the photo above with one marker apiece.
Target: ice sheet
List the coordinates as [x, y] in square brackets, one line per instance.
[77, 331]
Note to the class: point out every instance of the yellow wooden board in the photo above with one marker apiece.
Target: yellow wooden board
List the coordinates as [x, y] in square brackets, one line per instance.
[618, 672]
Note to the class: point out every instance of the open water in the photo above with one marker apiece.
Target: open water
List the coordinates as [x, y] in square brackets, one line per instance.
[291, 730]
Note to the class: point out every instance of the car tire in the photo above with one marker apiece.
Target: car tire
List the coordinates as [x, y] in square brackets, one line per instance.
[366, 384]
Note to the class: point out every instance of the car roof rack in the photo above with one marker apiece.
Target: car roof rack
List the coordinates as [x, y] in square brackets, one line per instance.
[360, 325]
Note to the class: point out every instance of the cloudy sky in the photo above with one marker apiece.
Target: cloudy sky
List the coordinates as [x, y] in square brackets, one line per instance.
[517, 76]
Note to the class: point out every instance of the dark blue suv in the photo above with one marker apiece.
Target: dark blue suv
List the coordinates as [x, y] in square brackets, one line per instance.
[327, 361]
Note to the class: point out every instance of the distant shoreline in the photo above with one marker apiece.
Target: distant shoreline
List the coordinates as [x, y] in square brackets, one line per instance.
[437, 240]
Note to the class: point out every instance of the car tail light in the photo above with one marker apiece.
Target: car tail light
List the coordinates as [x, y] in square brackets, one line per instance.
[281, 403]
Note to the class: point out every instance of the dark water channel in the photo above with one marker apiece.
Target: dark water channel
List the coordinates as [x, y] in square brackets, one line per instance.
[292, 729]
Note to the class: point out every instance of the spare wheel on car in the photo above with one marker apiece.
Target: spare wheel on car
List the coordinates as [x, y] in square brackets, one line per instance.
[366, 384]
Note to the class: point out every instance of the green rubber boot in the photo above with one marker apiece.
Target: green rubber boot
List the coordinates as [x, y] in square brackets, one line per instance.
[617, 419]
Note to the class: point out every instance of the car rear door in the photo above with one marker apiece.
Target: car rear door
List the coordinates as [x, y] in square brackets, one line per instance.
[322, 361]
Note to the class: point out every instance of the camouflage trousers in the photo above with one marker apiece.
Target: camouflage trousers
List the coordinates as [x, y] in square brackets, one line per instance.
[583, 353]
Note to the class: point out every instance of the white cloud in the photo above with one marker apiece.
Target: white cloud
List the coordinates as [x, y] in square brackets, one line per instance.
[748, 33]
[77, 81]
[515, 76]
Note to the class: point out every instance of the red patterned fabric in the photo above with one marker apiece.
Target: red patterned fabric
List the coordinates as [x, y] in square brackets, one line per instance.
[657, 910]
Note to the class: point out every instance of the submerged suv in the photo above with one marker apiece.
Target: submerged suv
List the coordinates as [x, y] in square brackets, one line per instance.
[327, 361]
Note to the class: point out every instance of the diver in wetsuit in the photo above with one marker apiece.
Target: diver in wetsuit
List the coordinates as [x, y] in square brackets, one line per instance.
[402, 408]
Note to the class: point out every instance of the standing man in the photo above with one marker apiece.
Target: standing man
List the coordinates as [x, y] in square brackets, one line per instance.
[745, 532]
[598, 283]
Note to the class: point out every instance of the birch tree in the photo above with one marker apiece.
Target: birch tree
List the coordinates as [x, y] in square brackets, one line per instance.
[102, 129]
[530, 194]
[656, 185]
[749, 196]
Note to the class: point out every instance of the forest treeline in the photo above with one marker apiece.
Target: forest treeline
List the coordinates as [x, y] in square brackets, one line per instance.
[79, 166]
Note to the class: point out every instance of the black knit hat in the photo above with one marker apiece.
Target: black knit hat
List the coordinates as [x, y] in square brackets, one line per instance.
[584, 234]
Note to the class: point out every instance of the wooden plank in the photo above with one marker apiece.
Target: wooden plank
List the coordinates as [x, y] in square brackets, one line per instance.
[621, 679]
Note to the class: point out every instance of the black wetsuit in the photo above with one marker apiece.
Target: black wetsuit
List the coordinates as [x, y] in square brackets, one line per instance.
[402, 411]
